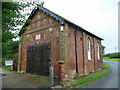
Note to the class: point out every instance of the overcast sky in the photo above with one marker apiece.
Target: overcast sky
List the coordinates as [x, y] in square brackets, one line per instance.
[97, 16]
[100, 17]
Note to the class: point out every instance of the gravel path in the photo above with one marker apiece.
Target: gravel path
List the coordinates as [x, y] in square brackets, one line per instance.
[11, 79]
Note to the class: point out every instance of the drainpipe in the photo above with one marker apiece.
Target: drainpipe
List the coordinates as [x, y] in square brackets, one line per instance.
[76, 52]
[83, 53]
[94, 55]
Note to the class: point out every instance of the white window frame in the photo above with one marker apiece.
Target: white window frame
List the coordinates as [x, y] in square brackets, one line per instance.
[98, 51]
[38, 36]
[89, 49]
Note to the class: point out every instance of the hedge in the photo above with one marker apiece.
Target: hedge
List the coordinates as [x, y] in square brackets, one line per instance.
[112, 55]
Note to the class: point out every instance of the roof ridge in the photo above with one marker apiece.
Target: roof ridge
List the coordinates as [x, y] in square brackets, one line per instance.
[59, 18]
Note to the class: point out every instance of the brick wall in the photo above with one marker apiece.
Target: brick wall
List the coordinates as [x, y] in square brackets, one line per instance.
[85, 66]
[49, 29]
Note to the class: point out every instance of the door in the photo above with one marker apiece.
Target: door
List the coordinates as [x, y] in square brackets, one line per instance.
[37, 59]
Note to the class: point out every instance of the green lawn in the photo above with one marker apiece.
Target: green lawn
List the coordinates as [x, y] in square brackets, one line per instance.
[81, 81]
[6, 67]
[111, 59]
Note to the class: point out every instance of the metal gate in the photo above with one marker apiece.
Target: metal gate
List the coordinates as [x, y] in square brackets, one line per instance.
[37, 59]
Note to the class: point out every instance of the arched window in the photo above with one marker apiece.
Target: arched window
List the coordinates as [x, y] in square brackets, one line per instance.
[98, 51]
[89, 49]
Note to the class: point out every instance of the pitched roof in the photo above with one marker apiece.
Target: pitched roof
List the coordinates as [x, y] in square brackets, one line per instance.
[58, 18]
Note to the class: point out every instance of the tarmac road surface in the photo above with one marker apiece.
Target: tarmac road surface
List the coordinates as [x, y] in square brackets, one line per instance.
[109, 81]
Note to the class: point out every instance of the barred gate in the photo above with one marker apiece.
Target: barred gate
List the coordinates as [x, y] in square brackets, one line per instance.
[37, 59]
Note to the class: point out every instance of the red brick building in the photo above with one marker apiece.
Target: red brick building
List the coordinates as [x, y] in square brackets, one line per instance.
[50, 39]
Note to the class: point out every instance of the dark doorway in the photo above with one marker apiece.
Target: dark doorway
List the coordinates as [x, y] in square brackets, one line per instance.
[37, 59]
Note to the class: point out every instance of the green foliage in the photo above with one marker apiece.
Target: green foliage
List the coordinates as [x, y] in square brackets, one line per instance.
[22, 30]
[0, 61]
[6, 67]
[10, 15]
[14, 15]
[111, 59]
[115, 55]
[28, 21]
[112, 55]
[106, 55]
[8, 49]
[103, 49]
[81, 81]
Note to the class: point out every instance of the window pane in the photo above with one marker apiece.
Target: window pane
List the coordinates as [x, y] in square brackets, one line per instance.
[98, 51]
[37, 36]
[89, 49]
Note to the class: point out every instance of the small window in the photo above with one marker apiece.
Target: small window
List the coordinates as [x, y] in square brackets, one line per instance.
[61, 29]
[28, 35]
[98, 51]
[89, 49]
[38, 36]
[50, 29]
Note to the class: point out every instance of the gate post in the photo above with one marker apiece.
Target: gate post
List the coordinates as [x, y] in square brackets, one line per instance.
[61, 71]
[51, 74]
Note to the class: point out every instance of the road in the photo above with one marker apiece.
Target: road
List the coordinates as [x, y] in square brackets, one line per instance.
[109, 81]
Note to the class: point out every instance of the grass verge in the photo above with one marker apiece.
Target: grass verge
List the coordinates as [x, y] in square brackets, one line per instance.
[6, 67]
[80, 81]
[112, 59]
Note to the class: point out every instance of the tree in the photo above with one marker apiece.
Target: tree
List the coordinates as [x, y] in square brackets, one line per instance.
[103, 49]
[14, 15]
